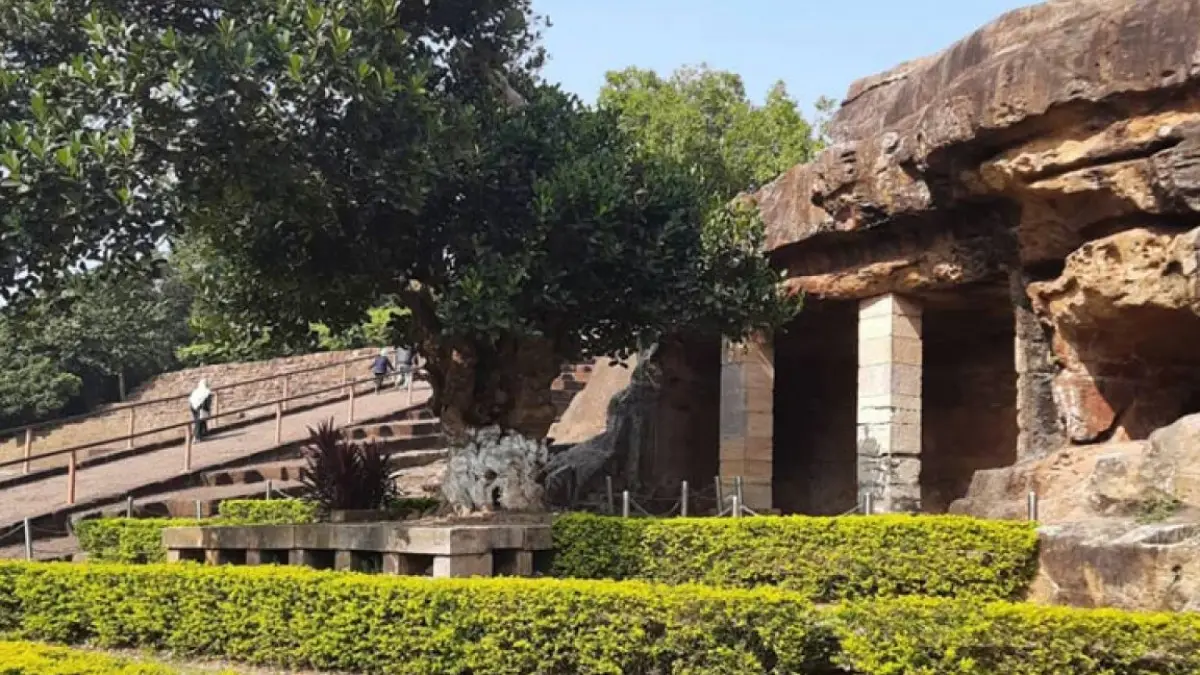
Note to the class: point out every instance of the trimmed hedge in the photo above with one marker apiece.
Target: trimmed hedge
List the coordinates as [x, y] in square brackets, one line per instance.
[825, 559]
[293, 617]
[267, 511]
[27, 658]
[139, 540]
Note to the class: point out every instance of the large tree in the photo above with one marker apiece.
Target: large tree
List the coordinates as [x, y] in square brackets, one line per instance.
[337, 152]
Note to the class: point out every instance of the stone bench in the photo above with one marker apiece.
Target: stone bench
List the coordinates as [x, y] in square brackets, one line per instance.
[388, 548]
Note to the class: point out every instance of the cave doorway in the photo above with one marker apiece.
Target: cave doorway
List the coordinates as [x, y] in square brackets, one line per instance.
[815, 405]
[969, 391]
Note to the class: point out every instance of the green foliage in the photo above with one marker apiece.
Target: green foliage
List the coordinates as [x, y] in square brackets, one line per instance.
[97, 328]
[405, 507]
[826, 559]
[300, 618]
[923, 635]
[139, 540]
[28, 658]
[703, 119]
[267, 512]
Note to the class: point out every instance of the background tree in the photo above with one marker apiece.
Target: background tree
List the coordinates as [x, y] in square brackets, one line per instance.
[339, 152]
[704, 119]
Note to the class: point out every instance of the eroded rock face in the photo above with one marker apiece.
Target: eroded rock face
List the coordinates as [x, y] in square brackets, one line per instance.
[1155, 479]
[1098, 564]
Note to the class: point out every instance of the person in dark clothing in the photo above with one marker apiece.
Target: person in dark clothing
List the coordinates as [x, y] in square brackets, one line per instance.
[380, 369]
[200, 402]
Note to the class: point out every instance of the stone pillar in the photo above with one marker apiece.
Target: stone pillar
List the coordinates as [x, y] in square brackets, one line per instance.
[889, 403]
[1040, 428]
[747, 419]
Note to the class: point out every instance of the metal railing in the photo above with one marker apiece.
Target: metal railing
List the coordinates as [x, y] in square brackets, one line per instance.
[28, 432]
[347, 388]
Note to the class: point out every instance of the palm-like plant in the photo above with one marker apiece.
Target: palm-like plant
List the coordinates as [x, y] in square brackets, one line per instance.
[342, 475]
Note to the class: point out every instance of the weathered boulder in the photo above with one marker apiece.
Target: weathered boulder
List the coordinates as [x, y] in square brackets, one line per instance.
[1113, 564]
[1154, 479]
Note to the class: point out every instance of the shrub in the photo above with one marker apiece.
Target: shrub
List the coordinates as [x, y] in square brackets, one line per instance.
[292, 617]
[139, 540]
[25, 658]
[129, 540]
[826, 559]
[267, 512]
[343, 475]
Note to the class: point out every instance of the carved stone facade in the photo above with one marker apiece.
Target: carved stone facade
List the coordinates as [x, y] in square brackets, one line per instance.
[1002, 242]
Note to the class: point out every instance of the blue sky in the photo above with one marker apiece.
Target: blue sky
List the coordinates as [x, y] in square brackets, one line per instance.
[818, 47]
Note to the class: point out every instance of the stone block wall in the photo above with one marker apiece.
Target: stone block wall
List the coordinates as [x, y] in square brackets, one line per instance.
[747, 420]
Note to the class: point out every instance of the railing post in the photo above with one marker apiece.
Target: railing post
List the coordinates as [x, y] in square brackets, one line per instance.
[270, 489]
[1031, 505]
[129, 506]
[199, 512]
[720, 495]
[216, 411]
[737, 489]
[625, 504]
[287, 391]
[278, 423]
[187, 448]
[683, 500]
[608, 491]
[132, 421]
[412, 378]
[350, 412]
[71, 479]
[345, 377]
[28, 540]
[737, 506]
[28, 448]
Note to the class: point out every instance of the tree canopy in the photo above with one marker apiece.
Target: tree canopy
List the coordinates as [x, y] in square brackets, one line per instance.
[324, 155]
[704, 119]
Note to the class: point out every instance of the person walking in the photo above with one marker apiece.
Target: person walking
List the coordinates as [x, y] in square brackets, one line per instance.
[404, 365]
[200, 402]
[380, 369]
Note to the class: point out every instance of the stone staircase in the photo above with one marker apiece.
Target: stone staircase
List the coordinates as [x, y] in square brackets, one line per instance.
[412, 437]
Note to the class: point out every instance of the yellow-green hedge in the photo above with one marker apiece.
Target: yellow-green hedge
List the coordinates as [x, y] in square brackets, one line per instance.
[826, 559]
[26, 658]
[301, 618]
[139, 540]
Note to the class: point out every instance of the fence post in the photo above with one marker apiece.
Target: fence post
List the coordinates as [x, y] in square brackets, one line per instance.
[737, 507]
[187, 448]
[132, 421]
[71, 479]
[269, 486]
[868, 504]
[28, 447]
[683, 500]
[720, 495]
[345, 377]
[287, 391]
[28, 540]
[737, 490]
[1031, 505]
[129, 506]
[350, 412]
[608, 491]
[278, 423]
[216, 411]
[625, 504]
[199, 512]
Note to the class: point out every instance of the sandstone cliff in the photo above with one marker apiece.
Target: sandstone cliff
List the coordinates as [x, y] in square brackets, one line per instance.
[1046, 168]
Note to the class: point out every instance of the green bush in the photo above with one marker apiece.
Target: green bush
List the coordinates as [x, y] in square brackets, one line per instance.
[267, 512]
[826, 559]
[128, 540]
[25, 658]
[139, 540]
[300, 618]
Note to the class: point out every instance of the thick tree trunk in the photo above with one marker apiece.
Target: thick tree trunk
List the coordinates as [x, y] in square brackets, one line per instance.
[495, 407]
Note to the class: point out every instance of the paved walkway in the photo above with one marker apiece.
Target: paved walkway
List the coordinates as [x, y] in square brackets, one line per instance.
[116, 479]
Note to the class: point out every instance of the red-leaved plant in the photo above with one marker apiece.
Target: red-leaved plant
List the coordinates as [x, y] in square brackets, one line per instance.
[344, 476]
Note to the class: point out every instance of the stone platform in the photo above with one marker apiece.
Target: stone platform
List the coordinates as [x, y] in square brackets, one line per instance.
[388, 548]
